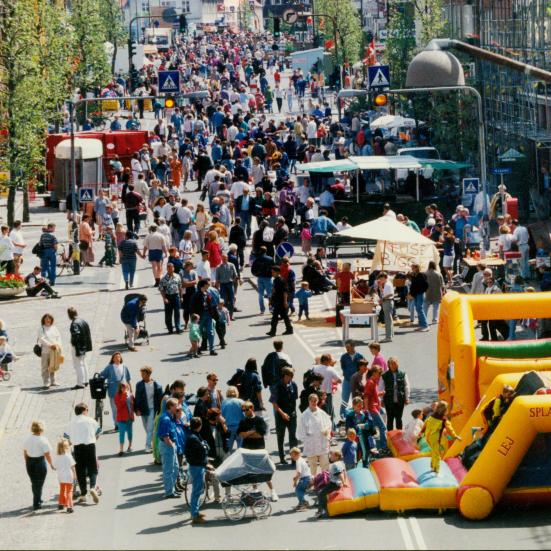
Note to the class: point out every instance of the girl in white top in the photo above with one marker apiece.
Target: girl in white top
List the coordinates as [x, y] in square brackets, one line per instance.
[186, 246]
[64, 465]
[49, 339]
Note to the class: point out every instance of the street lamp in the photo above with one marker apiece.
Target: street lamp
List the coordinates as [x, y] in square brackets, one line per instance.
[434, 70]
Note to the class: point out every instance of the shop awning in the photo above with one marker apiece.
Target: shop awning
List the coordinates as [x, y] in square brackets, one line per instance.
[441, 164]
[328, 166]
[384, 162]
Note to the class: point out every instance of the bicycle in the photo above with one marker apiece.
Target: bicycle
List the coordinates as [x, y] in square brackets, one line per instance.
[206, 495]
[64, 260]
[98, 414]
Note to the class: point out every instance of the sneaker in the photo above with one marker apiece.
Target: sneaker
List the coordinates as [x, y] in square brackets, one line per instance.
[57, 384]
[60, 507]
[213, 353]
[173, 496]
[82, 499]
[423, 329]
[274, 497]
[288, 332]
[95, 496]
[148, 449]
[198, 520]
[69, 509]
[321, 514]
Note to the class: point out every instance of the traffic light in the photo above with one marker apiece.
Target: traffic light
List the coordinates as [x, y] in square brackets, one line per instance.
[381, 100]
[277, 27]
[169, 102]
[183, 23]
[131, 49]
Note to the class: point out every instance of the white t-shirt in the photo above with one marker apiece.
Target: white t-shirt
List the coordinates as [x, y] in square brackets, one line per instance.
[303, 469]
[149, 392]
[64, 467]
[36, 445]
[203, 269]
[186, 249]
[16, 236]
[184, 215]
[6, 248]
[238, 187]
[329, 374]
[312, 130]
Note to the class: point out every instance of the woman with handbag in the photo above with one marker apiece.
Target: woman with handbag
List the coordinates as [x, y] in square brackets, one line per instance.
[86, 236]
[48, 348]
[115, 373]
[124, 400]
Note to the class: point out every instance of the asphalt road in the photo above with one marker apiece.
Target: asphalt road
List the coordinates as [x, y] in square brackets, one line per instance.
[133, 515]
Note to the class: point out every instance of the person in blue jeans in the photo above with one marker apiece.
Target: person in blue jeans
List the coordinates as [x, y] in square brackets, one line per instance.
[147, 403]
[196, 452]
[129, 252]
[166, 432]
[48, 245]
[417, 287]
[302, 479]
[262, 269]
[349, 366]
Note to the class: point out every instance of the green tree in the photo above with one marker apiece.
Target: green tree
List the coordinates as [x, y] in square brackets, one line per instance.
[348, 27]
[400, 44]
[21, 97]
[115, 31]
[431, 16]
[90, 36]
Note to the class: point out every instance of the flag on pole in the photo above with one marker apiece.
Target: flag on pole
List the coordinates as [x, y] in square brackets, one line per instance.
[370, 54]
[329, 44]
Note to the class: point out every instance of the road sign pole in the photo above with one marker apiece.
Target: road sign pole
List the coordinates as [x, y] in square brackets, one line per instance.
[73, 194]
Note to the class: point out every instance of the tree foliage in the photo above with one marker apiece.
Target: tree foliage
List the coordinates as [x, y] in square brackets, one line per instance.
[348, 27]
[400, 44]
[89, 32]
[113, 23]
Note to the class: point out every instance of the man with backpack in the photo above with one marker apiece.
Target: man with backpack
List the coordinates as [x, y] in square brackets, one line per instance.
[273, 364]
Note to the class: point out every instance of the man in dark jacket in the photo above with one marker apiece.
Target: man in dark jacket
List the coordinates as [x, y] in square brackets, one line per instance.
[279, 303]
[203, 164]
[262, 269]
[284, 399]
[417, 287]
[132, 313]
[245, 209]
[196, 452]
[132, 202]
[237, 236]
[396, 387]
[147, 402]
[81, 341]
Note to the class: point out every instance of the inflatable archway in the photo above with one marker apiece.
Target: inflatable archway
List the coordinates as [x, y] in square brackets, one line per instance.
[466, 367]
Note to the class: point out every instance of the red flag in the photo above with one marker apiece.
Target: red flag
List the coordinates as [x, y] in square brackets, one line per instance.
[329, 44]
[370, 54]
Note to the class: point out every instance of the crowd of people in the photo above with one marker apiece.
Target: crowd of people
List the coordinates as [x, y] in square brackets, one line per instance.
[229, 147]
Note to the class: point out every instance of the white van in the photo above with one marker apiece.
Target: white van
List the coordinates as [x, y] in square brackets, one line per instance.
[418, 153]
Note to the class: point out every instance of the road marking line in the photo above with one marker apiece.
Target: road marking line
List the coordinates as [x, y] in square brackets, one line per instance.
[304, 344]
[417, 533]
[7, 412]
[402, 524]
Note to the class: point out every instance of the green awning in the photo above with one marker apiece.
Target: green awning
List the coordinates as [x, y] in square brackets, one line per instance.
[441, 164]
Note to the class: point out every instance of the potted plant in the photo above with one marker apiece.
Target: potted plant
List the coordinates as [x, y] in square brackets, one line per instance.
[11, 285]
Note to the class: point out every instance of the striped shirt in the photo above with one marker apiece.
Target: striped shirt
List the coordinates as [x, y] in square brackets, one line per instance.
[128, 249]
[48, 240]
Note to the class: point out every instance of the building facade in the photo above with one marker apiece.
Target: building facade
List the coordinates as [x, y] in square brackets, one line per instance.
[517, 108]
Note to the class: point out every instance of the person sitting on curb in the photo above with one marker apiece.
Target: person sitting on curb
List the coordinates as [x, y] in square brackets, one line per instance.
[37, 284]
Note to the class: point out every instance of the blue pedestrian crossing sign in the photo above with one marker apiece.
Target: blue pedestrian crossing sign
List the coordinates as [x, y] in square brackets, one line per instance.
[285, 249]
[86, 195]
[471, 186]
[379, 76]
[169, 81]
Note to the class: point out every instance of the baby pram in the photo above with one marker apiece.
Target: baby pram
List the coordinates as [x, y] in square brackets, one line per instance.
[142, 328]
[243, 471]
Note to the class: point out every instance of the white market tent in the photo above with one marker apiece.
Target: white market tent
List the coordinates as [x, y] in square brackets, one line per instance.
[387, 229]
[371, 162]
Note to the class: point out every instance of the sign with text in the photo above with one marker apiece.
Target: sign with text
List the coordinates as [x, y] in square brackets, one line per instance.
[397, 257]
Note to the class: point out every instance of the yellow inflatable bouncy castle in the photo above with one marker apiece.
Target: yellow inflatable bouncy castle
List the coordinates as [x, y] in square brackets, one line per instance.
[466, 367]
